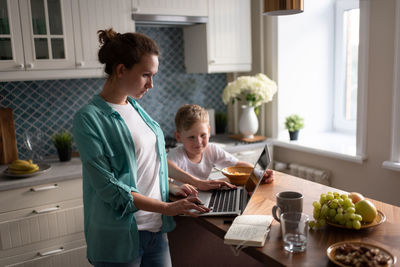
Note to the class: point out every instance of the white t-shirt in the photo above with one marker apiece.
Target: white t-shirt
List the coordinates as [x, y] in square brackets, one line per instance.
[148, 164]
[212, 155]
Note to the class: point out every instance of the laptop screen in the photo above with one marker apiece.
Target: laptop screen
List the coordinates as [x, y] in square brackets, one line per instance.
[258, 171]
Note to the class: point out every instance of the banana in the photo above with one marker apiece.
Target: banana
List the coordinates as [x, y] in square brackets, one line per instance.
[22, 167]
[20, 161]
[25, 171]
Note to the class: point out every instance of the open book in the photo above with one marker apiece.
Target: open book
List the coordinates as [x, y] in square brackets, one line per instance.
[248, 230]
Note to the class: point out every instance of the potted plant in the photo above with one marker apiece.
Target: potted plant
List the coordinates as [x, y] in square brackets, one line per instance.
[220, 122]
[294, 123]
[63, 142]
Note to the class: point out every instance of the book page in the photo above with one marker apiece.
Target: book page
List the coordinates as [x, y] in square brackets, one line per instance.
[249, 230]
[262, 220]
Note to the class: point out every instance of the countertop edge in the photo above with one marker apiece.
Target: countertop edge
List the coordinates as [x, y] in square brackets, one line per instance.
[60, 171]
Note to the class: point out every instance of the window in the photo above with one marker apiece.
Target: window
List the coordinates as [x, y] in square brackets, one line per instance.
[322, 70]
[347, 23]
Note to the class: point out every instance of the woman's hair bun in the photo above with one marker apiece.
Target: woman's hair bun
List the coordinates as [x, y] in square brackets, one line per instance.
[106, 35]
[127, 49]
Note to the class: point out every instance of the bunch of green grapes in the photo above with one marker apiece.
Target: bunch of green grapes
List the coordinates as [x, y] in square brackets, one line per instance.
[336, 208]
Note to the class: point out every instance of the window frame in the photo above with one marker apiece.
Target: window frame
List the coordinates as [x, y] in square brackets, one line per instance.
[339, 123]
[280, 137]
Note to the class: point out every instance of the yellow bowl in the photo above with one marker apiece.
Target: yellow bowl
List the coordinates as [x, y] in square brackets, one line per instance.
[237, 175]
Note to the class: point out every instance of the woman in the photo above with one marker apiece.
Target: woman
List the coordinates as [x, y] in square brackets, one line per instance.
[125, 170]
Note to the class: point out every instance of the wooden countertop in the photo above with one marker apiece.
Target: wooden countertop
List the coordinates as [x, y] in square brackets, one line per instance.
[386, 235]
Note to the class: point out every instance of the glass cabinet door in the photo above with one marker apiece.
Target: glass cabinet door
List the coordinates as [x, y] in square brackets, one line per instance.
[48, 23]
[47, 29]
[5, 36]
[10, 36]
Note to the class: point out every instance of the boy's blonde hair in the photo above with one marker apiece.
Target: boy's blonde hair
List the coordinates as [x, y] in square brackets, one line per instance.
[189, 114]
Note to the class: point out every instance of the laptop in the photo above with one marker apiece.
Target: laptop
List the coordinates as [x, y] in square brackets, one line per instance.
[232, 202]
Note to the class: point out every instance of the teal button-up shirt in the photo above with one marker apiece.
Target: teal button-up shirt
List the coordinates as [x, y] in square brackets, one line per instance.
[109, 170]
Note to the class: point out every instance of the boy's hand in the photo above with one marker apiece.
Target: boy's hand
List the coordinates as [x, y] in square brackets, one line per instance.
[186, 190]
[206, 185]
[268, 177]
[183, 190]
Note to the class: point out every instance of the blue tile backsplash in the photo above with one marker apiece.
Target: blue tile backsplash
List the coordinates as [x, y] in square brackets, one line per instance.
[49, 105]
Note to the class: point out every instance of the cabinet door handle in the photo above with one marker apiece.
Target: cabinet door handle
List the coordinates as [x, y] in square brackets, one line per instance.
[46, 210]
[43, 188]
[80, 64]
[135, 9]
[30, 65]
[212, 61]
[51, 252]
[20, 66]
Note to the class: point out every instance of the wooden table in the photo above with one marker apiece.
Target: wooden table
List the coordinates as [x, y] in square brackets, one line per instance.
[386, 235]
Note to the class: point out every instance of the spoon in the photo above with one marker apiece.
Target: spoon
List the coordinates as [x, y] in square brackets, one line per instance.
[220, 170]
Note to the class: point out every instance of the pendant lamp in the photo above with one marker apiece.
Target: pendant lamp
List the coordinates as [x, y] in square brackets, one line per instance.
[283, 7]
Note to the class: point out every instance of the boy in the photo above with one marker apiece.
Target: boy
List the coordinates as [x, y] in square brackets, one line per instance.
[197, 156]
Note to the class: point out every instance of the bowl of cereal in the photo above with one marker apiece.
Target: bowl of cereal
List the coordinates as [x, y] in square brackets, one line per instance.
[237, 175]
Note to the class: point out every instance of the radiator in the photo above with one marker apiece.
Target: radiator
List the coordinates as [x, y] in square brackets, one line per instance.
[312, 174]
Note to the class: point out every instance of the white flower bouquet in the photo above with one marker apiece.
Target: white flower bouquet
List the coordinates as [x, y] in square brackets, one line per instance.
[255, 90]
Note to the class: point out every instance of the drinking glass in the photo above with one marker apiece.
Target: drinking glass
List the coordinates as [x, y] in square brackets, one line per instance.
[294, 231]
[33, 141]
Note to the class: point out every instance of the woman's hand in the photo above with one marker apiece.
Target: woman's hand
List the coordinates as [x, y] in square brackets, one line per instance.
[191, 206]
[206, 185]
[183, 190]
[268, 177]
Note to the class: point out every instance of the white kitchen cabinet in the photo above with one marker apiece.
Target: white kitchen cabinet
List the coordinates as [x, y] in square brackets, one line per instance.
[42, 225]
[171, 7]
[224, 43]
[11, 50]
[38, 35]
[47, 34]
[56, 39]
[70, 254]
[89, 16]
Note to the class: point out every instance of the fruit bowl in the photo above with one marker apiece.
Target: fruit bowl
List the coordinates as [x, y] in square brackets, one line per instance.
[380, 218]
[42, 169]
[237, 175]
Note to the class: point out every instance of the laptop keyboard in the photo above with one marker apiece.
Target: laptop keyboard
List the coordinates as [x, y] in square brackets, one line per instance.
[223, 200]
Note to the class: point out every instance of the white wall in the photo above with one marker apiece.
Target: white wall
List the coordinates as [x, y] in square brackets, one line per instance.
[306, 65]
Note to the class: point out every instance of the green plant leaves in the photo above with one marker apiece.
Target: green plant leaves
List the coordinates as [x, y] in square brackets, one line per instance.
[294, 123]
[62, 140]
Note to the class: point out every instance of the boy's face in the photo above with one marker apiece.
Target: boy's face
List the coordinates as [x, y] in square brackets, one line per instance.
[194, 140]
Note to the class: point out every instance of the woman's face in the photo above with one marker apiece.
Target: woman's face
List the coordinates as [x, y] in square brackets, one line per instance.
[139, 79]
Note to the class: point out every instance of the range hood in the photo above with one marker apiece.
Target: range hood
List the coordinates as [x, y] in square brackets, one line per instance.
[150, 19]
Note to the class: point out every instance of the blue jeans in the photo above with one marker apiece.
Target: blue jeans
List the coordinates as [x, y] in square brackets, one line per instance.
[153, 252]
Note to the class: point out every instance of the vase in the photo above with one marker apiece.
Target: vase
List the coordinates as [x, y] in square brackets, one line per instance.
[248, 123]
[64, 154]
[294, 135]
